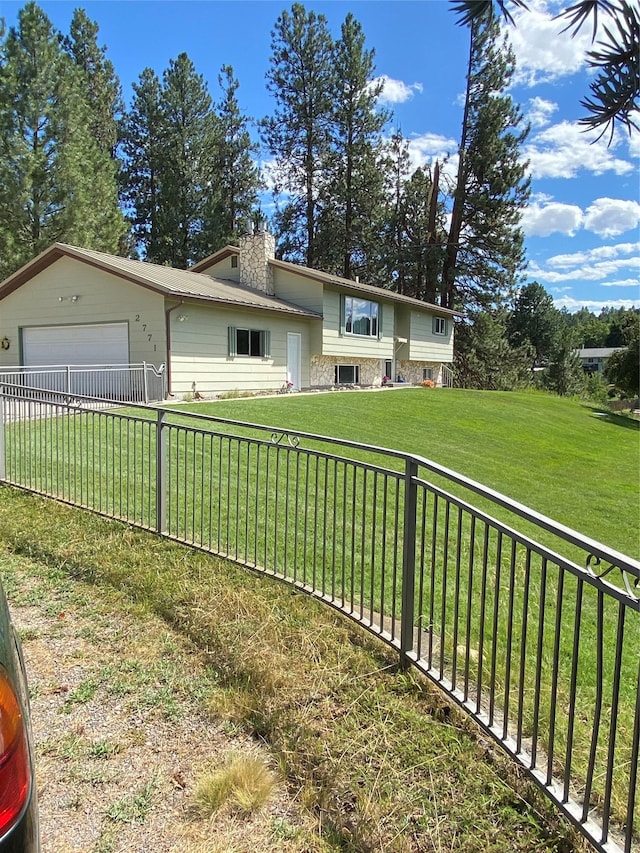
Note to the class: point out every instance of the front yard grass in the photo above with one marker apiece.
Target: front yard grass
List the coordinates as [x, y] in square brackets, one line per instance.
[572, 461]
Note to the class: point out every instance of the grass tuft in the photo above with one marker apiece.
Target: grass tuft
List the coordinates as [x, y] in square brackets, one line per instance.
[244, 785]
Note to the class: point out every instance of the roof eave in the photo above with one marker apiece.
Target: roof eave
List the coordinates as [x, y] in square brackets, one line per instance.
[247, 306]
[338, 281]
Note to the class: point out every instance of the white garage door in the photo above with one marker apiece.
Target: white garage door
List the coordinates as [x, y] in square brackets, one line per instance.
[99, 343]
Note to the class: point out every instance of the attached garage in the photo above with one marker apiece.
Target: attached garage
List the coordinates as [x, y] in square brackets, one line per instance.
[96, 343]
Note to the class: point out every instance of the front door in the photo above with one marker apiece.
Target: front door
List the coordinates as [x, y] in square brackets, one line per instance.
[294, 366]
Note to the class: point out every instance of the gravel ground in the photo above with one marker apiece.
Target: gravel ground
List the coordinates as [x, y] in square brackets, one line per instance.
[122, 730]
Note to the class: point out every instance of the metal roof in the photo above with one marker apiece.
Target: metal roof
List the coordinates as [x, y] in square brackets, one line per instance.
[374, 291]
[181, 284]
[598, 352]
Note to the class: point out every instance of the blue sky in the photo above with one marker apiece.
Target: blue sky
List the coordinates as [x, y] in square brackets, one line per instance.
[582, 234]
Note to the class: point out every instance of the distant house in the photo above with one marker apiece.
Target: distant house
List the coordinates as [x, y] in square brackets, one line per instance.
[238, 320]
[594, 359]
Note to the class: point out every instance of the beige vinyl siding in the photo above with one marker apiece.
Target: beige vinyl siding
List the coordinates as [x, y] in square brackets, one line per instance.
[224, 269]
[298, 290]
[424, 345]
[200, 346]
[102, 298]
[306, 294]
[353, 347]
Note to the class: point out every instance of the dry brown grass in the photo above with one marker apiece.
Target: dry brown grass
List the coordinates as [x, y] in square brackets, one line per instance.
[243, 785]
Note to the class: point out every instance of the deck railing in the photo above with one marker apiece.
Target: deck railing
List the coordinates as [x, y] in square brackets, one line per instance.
[134, 383]
[529, 626]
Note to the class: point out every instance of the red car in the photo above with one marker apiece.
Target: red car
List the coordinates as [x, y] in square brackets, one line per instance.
[18, 803]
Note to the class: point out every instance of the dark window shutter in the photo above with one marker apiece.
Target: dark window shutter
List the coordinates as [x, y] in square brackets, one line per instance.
[266, 351]
[342, 313]
[232, 340]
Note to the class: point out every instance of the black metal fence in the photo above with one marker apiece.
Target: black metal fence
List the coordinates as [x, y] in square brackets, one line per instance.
[529, 626]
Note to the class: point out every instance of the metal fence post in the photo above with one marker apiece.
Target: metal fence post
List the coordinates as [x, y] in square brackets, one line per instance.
[408, 560]
[3, 468]
[161, 473]
[144, 382]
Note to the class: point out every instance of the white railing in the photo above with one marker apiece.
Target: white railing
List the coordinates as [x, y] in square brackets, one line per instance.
[130, 383]
[447, 377]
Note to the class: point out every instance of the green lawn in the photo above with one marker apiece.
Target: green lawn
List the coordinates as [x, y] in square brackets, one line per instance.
[565, 459]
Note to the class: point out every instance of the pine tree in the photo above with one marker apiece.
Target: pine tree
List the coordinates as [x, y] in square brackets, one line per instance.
[55, 182]
[142, 133]
[391, 261]
[535, 320]
[300, 78]
[485, 246]
[189, 138]
[350, 218]
[235, 181]
[484, 359]
[99, 80]
[422, 234]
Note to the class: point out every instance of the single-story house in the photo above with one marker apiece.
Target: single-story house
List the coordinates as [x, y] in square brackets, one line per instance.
[594, 359]
[238, 320]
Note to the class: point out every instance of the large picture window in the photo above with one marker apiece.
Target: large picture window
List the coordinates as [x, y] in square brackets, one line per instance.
[251, 342]
[361, 317]
[347, 374]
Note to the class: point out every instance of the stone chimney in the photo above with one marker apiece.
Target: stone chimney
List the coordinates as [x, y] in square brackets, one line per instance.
[256, 250]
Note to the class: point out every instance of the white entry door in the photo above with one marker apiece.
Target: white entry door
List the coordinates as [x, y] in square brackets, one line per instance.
[294, 354]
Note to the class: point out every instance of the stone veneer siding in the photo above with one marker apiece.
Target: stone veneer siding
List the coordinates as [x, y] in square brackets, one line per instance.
[255, 252]
[411, 371]
[322, 370]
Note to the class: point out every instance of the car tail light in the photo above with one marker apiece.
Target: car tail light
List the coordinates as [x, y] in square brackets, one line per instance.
[15, 770]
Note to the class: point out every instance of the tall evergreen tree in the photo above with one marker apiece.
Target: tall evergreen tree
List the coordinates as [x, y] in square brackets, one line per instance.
[350, 218]
[55, 182]
[422, 233]
[535, 320]
[485, 246]
[189, 138]
[235, 179]
[142, 147]
[300, 78]
[396, 168]
[99, 80]
[483, 357]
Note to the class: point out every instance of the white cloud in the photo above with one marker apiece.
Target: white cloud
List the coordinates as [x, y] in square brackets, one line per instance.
[606, 217]
[633, 142]
[541, 219]
[539, 111]
[596, 272]
[593, 305]
[429, 147]
[563, 150]
[543, 52]
[609, 217]
[396, 91]
[600, 253]
[625, 282]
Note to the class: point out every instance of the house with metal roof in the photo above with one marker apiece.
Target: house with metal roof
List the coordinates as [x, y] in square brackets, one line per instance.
[240, 320]
[594, 359]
